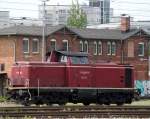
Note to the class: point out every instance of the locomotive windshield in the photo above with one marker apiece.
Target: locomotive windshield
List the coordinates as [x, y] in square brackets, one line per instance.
[79, 60]
[63, 59]
[73, 58]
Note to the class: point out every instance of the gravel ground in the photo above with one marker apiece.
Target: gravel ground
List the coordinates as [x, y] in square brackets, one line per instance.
[145, 102]
[9, 104]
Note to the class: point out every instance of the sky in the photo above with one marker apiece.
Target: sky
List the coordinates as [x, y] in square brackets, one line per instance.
[29, 8]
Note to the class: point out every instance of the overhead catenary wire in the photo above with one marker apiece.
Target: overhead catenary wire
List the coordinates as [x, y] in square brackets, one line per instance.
[126, 11]
[28, 3]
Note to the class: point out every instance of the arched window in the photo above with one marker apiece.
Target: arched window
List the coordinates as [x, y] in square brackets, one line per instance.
[25, 45]
[108, 48]
[85, 46]
[95, 48]
[53, 44]
[99, 48]
[81, 46]
[113, 48]
[35, 45]
[65, 45]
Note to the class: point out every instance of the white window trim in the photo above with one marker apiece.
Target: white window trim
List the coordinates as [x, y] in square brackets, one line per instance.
[85, 42]
[100, 43]
[27, 39]
[67, 43]
[113, 43]
[35, 39]
[54, 40]
[141, 43]
[109, 43]
[81, 43]
[95, 43]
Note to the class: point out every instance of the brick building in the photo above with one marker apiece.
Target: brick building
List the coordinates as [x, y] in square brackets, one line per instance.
[125, 45]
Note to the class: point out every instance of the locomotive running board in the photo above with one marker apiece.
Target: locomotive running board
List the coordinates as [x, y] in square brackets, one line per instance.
[12, 88]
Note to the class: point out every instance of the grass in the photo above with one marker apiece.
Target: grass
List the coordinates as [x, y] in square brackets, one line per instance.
[3, 99]
[144, 102]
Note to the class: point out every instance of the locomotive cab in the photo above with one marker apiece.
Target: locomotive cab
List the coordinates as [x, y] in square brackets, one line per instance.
[67, 57]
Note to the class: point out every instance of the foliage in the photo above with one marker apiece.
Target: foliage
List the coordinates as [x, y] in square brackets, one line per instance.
[26, 117]
[77, 18]
[3, 98]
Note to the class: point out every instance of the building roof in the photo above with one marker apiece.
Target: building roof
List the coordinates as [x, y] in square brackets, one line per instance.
[28, 30]
[86, 33]
[104, 33]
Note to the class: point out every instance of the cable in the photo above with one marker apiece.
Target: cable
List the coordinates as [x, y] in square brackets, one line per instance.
[20, 9]
[133, 10]
[127, 2]
[18, 2]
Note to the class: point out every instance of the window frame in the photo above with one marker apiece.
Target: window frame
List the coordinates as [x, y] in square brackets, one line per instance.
[101, 49]
[28, 47]
[53, 40]
[35, 39]
[81, 44]
[66, 41]
[109, 43]
[95, 48]
[113, 43]
[86, 43]
[143, 49]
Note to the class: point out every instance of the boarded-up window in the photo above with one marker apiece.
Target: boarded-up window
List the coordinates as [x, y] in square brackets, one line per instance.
[130, 49]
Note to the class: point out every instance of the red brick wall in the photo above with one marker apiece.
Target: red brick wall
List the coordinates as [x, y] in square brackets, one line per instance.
[140, 62]
[7, 52]
[21, 56]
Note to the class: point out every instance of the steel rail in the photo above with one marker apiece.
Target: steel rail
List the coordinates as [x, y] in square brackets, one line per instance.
[77, 111]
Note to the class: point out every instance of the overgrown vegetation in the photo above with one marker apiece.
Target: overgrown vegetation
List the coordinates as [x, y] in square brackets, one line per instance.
[77, 17]
[3, 98]
[17, 118]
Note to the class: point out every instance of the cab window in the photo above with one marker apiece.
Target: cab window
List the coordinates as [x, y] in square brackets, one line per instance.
[63, 59]
[79, 60]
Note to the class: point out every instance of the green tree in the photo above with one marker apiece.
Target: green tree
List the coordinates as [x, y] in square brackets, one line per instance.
[77, 17]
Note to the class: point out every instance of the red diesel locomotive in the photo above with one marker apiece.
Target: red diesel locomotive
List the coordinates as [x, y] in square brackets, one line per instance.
[69, 77]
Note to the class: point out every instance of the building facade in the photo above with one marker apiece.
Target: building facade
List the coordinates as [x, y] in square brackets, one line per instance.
[98, 12]
[104, 6]
[58, 14]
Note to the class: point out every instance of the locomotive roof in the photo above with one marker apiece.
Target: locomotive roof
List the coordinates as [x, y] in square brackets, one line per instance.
[68, 53]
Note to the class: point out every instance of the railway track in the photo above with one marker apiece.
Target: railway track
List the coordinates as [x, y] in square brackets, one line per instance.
[77, 111]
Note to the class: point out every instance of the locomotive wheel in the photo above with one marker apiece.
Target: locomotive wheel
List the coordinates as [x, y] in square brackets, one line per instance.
[119, 103]
[86, 103]
[62, 103]
[25, 102]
